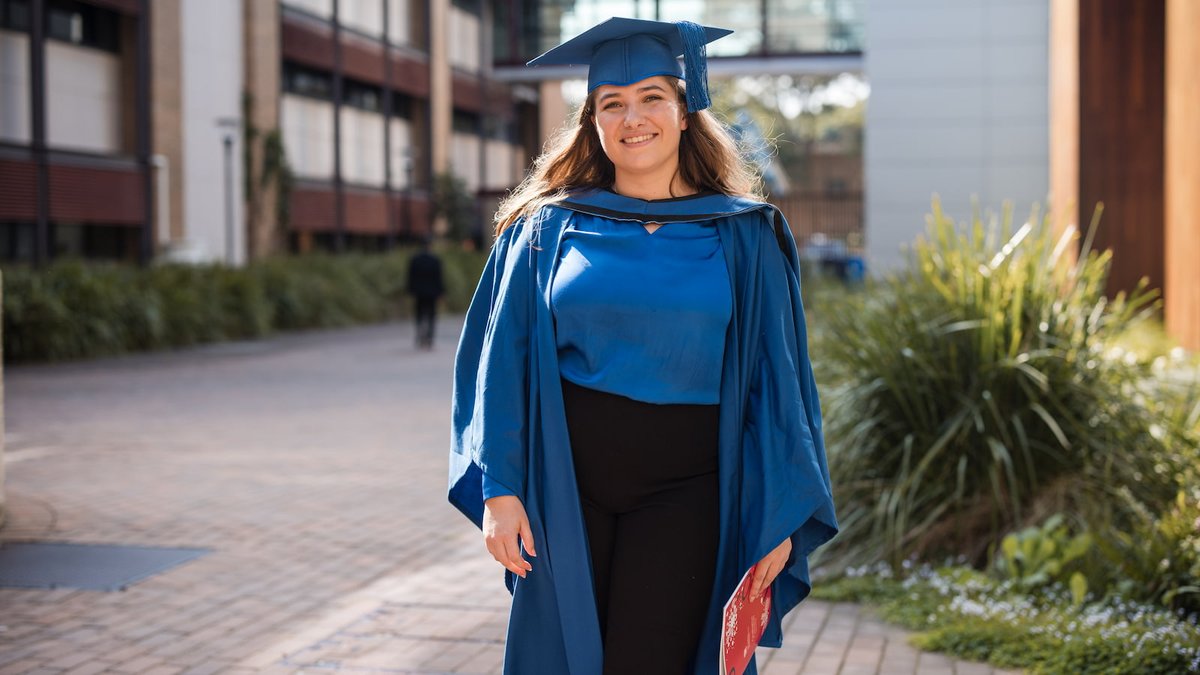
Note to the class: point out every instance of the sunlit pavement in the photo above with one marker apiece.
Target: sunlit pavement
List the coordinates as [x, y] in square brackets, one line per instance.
[313, 466]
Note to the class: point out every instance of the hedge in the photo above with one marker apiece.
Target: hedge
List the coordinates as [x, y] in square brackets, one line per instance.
[75, 309]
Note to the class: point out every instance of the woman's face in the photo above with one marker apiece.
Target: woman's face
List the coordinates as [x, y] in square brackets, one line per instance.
[640, 124]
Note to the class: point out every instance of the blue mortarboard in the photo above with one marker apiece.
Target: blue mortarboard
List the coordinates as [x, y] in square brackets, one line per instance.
[623, 51]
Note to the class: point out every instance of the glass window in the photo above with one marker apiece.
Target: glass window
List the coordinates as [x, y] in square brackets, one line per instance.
[472, 6]
[500, 129]
[744, 17]
[814, 25]
[83, 25]
[305, 81]
[363, 96]
[14, 14]
[465, 122]
[402, 105]
[16, 241]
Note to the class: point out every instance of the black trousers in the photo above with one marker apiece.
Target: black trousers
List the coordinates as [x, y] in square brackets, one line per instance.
[647, 479]
[426, 315]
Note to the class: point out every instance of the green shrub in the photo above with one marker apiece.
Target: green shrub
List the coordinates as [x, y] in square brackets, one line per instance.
[1158, 560]
[1039, 556]
[74, 309]
[976, 392]
[964, 613]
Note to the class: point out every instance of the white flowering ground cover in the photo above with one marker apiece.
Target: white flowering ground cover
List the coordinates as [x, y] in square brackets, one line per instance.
[968, 614]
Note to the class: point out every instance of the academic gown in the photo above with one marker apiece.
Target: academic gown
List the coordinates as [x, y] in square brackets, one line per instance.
[508, 420]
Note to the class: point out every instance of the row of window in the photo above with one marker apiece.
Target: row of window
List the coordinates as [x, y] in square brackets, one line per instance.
[69, 240]
[312, 83]
[68, 21]
[526, 28]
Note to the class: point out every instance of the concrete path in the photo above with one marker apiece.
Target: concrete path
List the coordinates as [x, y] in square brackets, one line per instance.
[314, 467]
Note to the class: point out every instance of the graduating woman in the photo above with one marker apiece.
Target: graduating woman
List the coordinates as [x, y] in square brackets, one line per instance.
[635, 419]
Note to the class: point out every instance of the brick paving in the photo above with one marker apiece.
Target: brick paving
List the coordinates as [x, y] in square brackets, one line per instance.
[313, 467]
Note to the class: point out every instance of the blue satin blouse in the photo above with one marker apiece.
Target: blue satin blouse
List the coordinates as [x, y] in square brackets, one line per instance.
[640, 314]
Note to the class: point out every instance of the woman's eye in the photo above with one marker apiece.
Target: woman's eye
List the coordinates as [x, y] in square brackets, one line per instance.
[653, 97]
[612, 105]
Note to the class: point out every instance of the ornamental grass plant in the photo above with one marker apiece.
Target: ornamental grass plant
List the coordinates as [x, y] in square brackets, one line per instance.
[982, 389]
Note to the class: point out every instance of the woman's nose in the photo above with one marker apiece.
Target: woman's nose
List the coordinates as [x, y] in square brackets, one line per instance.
[633, 116]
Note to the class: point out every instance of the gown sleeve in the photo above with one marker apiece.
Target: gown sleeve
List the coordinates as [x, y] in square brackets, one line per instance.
[490, 406]
[787, 474]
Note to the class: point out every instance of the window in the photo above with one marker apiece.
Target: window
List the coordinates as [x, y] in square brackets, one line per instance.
[500, 129]
[472, 6]
[83, 25]
[16, 242]
[402, 105]
[363, 96]
[305, 81]
[465, 122]
[14, 15]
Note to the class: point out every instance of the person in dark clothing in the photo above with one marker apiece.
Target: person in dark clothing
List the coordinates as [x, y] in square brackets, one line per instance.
[425, 285]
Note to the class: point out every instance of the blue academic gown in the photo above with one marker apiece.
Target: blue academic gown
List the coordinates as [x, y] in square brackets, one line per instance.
[509, 421]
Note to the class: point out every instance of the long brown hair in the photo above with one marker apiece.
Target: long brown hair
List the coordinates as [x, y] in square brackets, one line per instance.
[709, 160]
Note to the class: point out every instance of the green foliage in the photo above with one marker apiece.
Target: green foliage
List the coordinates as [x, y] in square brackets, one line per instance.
[1038, 556]
[73, 309]
[966, 614]
[452, 199]
[1159, 559]
[977, 391]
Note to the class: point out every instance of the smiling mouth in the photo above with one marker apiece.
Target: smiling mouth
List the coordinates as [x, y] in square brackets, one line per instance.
[634, 140]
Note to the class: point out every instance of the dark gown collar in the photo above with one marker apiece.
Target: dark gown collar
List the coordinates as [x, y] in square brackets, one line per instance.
[700, 206]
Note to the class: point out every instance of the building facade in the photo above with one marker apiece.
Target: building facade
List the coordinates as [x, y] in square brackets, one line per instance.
[74, 129]
[222, 130]
[1064, 103]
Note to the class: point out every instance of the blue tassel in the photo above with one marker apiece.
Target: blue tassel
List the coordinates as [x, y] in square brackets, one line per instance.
[695, 64]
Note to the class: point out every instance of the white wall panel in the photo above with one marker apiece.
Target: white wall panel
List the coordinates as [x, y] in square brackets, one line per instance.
[502, 165]
[362, 147]
[211, 79]
[308, 136]
[464, 158]
[14, 87]
[401, 142]
[365, 16]
[959, 106]
[399, 22]
[83, 98]
[464, 39]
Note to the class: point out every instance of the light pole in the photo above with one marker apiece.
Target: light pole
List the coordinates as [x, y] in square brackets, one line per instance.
[229, 126]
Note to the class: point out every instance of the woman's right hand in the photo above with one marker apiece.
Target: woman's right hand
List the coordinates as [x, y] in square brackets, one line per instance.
[504, 520]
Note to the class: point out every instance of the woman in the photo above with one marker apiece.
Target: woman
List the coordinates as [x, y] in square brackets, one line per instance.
[635, 419]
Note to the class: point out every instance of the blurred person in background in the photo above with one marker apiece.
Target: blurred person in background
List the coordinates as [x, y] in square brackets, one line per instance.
[426, 286]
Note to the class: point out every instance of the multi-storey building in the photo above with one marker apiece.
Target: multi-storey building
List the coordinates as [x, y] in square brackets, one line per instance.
[131, 129]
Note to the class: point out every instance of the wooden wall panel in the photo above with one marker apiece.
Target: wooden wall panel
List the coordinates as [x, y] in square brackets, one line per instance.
[1121, 133]
[418, 222]
[312, 209]
[96, 195]
[410, 76]
[362, 59]
[467, 93]
[309, 46]
[366, 211]
[18, 190]
[1182, 289]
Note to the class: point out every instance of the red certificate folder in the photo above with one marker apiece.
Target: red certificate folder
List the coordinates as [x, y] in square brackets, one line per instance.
[745, 620]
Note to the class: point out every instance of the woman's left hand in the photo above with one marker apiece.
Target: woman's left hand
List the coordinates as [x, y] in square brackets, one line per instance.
[769, 567]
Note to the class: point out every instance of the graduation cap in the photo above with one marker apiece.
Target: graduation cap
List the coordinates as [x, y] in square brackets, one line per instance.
[622, 51]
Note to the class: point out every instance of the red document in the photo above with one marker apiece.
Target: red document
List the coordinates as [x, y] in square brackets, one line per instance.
[745, 620]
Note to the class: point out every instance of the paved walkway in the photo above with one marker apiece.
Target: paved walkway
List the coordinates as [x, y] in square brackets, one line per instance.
[313, 466]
